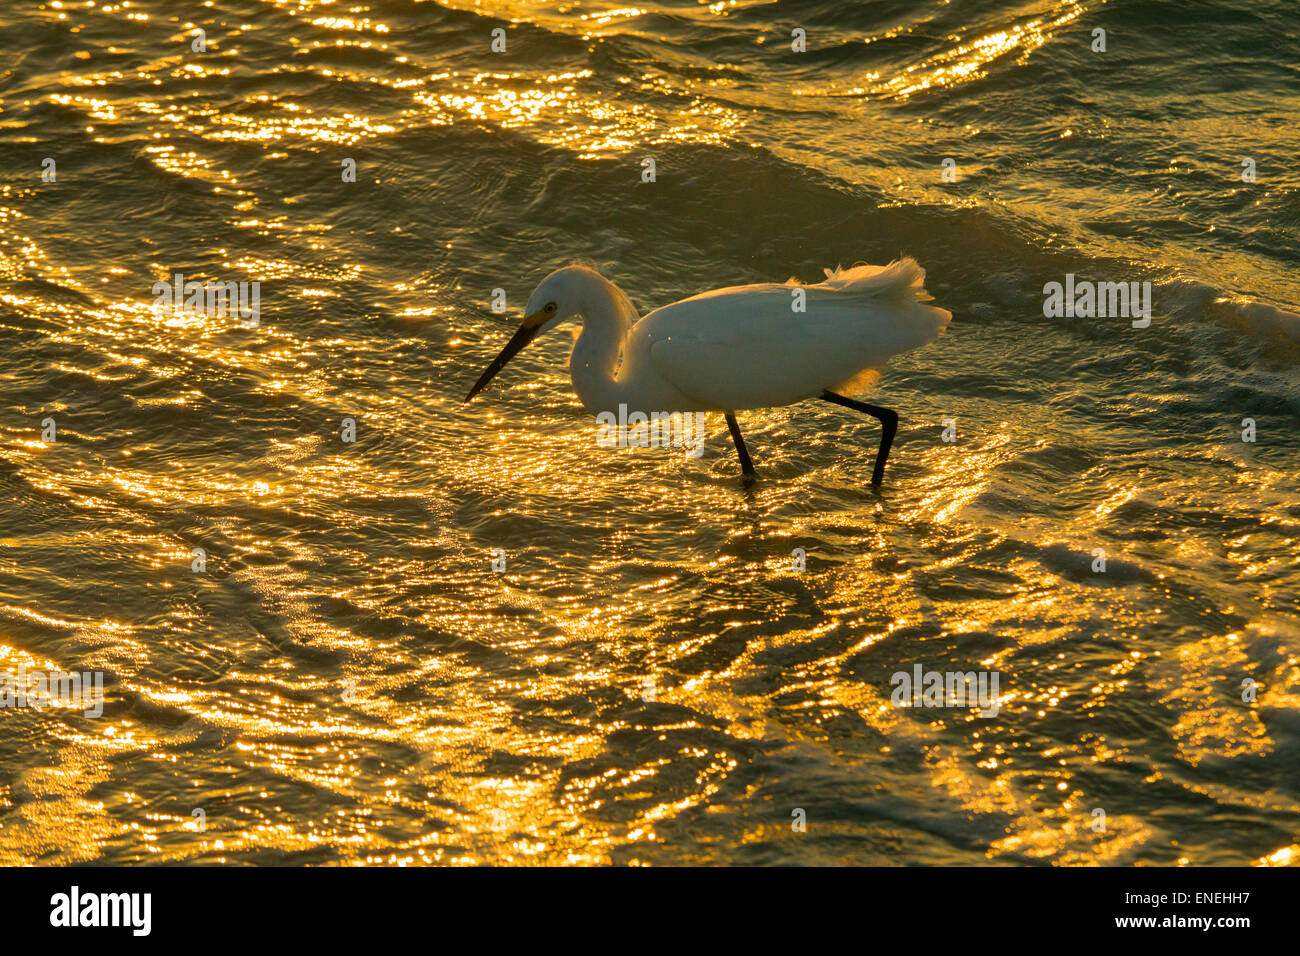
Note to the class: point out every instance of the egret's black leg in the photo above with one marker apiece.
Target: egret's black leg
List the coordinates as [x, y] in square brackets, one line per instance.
[889, 425]
[746, 465]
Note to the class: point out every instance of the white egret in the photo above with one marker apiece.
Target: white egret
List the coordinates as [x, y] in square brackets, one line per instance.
[737, 348]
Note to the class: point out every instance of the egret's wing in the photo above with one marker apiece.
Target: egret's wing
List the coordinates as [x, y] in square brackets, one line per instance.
[747, 347]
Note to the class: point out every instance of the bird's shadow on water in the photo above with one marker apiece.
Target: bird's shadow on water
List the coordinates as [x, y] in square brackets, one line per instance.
[868, 502]
[749, 487]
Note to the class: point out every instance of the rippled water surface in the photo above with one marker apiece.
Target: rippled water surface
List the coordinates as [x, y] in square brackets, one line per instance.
[649, 679]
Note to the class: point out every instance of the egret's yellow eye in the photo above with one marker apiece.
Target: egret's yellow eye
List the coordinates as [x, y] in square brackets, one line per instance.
[550, 308]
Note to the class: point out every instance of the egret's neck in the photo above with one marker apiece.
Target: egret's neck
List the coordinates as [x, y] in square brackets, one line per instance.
[607, 317]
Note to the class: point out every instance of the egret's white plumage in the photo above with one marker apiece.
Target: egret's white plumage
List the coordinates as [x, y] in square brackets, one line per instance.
[737, 348]
[745, 347]
[740, 347]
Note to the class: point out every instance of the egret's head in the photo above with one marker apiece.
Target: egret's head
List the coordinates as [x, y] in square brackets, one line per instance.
[557, 297]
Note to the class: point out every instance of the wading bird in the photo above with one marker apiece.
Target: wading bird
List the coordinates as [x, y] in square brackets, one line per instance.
[743, 347]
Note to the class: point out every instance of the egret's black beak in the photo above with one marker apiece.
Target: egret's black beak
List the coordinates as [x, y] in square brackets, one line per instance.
[525, 334]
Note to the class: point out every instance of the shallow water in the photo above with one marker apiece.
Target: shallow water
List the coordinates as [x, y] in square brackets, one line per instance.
[649, 679]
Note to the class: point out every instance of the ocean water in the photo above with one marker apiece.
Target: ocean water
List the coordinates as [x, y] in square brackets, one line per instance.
[649, 678]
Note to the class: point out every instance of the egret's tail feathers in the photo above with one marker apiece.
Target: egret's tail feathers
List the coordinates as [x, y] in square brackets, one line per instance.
[903, 277]
[902, 284]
